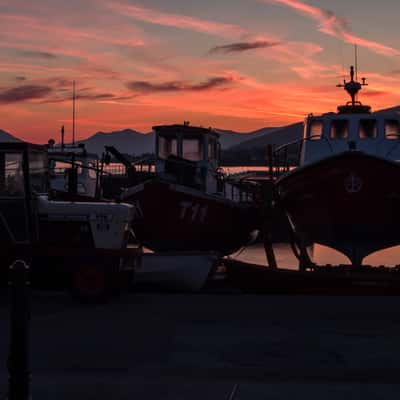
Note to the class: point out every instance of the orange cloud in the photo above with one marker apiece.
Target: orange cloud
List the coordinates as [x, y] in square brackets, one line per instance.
[333, 25]
[35, 29]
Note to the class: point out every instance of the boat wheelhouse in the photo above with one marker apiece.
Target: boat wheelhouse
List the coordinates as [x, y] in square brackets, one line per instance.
[186, 207]
[343, 194]
[188, 155]
[334, 133]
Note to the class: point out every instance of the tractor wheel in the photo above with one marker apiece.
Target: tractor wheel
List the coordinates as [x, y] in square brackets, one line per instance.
[91, 283]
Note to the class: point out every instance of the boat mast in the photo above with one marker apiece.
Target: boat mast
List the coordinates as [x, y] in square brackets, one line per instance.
[352, 87]
[73, 113]
[356, 60]
[62, 138]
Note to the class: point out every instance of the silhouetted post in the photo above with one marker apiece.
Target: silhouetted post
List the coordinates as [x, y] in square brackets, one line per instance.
[304, 260]
[269, 250]
[270, 162]
[268, 217]
[18, 359]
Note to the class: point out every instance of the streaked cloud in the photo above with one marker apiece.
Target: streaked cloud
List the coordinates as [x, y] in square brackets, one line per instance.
[37, 54]
[154, 16]
[85, 96]
[244, 46]
[334, 25]
[23, 93]
[179, 86]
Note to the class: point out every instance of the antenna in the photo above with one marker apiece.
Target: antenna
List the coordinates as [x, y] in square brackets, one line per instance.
[356, 60]
[62, 137]
[73, 112]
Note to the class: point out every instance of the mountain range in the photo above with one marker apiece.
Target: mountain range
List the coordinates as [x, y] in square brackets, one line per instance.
[132, 142]
[7, 137]
[248, 146]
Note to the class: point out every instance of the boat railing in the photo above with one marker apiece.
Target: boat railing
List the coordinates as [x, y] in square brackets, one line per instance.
[227, 186]
[145, 164]
[284, 158]
[241, 192]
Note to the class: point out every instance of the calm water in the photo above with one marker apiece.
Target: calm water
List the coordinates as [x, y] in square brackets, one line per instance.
[320, 255]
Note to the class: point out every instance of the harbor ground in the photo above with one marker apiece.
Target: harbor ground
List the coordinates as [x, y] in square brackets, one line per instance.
[196, 346]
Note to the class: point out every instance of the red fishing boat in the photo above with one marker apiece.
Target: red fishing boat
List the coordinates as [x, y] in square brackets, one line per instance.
[344, 194]
[191, 205]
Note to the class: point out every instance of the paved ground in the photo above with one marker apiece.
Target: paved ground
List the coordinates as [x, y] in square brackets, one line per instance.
[181, 346]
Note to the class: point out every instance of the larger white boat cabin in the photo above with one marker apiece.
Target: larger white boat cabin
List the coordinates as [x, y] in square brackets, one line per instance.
[353, 128]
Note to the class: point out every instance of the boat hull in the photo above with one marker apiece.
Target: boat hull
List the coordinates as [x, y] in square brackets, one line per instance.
[171, 217]
[177, 271]
[349, 202]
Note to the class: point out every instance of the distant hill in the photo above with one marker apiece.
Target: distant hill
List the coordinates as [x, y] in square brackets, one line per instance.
[254, 150]
[7, 137]
[390, 110]
[229, 138]
[136, 143]
[126, 141]
[276, 137]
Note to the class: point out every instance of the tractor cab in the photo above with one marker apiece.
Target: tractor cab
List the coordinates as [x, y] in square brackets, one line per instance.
[188, 155]
[23, 177]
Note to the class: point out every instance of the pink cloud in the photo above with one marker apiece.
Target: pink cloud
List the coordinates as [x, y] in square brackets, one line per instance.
[35, 29]
[154, 16]
[334, 25]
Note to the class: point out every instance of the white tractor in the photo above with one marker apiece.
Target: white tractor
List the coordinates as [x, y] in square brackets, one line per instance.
[81, 245]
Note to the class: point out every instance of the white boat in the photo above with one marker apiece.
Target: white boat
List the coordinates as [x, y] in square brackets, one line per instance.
[344, 193]
[176, 271]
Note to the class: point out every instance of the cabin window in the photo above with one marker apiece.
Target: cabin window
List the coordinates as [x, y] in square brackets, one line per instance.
[92, 167]
[367, 129]
[340, 129]
[11, 175]
[316, 128]
[59, 167]
[192, 149]
[38, 172]
[167, 147]
[392, 129]
[212, 150]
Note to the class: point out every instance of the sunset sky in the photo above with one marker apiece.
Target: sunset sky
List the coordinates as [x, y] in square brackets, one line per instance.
[231, 64]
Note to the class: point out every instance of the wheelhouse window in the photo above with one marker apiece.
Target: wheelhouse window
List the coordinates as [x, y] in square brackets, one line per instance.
[59, 167]
[38, 172]
[167, 146]
[392, 129]
[192, 149]
[316, 129]
[11, 175]
[367, 129]
[92, 168]
[212, 150]
[339, 129]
